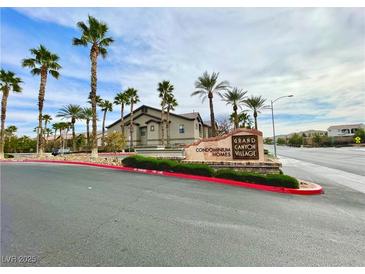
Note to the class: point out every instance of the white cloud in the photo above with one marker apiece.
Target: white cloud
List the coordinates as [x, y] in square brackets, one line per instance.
[316, 54]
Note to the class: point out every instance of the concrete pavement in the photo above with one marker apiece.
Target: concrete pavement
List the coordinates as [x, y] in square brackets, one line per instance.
[85, 216]
[330, 167]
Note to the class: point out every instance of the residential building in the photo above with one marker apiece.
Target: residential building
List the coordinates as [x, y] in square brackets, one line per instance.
[306, 134]
[344, 130]
[184, 128]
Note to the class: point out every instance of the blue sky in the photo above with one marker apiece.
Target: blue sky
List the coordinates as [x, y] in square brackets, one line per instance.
[317, 54]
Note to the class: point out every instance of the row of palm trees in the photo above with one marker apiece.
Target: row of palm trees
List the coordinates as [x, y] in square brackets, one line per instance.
[208, 85]
[94, 35]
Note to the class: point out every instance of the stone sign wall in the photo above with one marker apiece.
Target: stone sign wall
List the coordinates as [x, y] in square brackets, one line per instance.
[239, 145]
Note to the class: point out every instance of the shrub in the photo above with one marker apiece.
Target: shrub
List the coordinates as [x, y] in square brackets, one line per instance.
[282, 180]
[139, 161]
[167, 165]
[195, 169]
[270, 179]
[132, 161]
[241, 176]
[8, 156]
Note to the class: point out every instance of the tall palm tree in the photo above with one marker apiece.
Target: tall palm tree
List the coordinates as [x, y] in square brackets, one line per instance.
[46, 118]
[94, 34]
[206, 86]
[42, 63]
[105, 106]
[87, 115]
[8, 82]
[171, 104]
[255, 103]
[122, 99]
[133, 99]
[73, 112]
[234, 97]
[165, 88]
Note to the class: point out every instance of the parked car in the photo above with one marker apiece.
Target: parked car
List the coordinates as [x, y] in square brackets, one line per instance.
[58, 151]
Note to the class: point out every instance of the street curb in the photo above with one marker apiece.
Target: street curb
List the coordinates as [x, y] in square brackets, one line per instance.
[318, 190]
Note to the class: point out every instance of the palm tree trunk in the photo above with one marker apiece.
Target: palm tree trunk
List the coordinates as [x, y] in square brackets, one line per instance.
[93, 57]
[46, 134]
[131, 127]
[255, 117]
[122, 121]
[4, 101]
[88, 132]
[235, 117]
[103, 129]
[212, 119]
[162, 125]
[168, 127]
[73, 136]
[42, 92]
[122, 117]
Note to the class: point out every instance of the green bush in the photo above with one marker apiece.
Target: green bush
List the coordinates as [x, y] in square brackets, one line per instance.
[282, 180]
[167, 165]
[195, 169]
[139, 161]
[8, 156]
[270, 179]
[241, 176]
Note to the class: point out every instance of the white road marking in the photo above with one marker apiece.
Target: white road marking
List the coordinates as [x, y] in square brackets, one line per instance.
[348, 179]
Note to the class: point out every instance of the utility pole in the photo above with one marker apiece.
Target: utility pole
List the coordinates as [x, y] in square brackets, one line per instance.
[273, 120]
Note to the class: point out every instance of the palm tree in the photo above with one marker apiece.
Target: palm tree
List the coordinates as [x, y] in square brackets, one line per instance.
[46, 118]
[94, 34]
[42, 63]
[206, 86]
[255, 103]
[73, 112]
[133, 99]
[234, 97]
[105, 107]
[8, 82]
[244, 119]
[63, 126]
[171, 104]
[56, 127]
[122, 99]
[87, 115]
[10, 130]
[165, 88]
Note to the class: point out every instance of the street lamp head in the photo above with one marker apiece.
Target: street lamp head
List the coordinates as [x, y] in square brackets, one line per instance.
[291, 95]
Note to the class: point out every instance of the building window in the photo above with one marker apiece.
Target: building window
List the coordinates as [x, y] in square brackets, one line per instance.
[181, 129]
[353, 130]
[152, 128]
[196, 126]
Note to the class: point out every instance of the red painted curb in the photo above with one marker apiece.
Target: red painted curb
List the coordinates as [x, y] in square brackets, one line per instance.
[316, 191]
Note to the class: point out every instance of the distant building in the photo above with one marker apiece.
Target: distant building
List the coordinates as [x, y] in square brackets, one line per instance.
[344, 130]
[306, 134]
[184, 128]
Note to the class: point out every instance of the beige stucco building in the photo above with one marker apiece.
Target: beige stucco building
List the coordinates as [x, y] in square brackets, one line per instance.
[184, 128]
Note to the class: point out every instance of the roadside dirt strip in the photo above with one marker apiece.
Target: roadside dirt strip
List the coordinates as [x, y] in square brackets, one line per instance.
[315, 189]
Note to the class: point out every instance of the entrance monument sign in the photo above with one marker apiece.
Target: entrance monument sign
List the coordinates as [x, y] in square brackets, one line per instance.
[241, 145]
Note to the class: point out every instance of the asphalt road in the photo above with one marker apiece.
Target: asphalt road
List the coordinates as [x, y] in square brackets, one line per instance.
[326, 166]
[86, 216]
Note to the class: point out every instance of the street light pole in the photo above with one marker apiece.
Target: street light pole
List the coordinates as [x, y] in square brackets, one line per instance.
[273, 126]
[273, 120]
